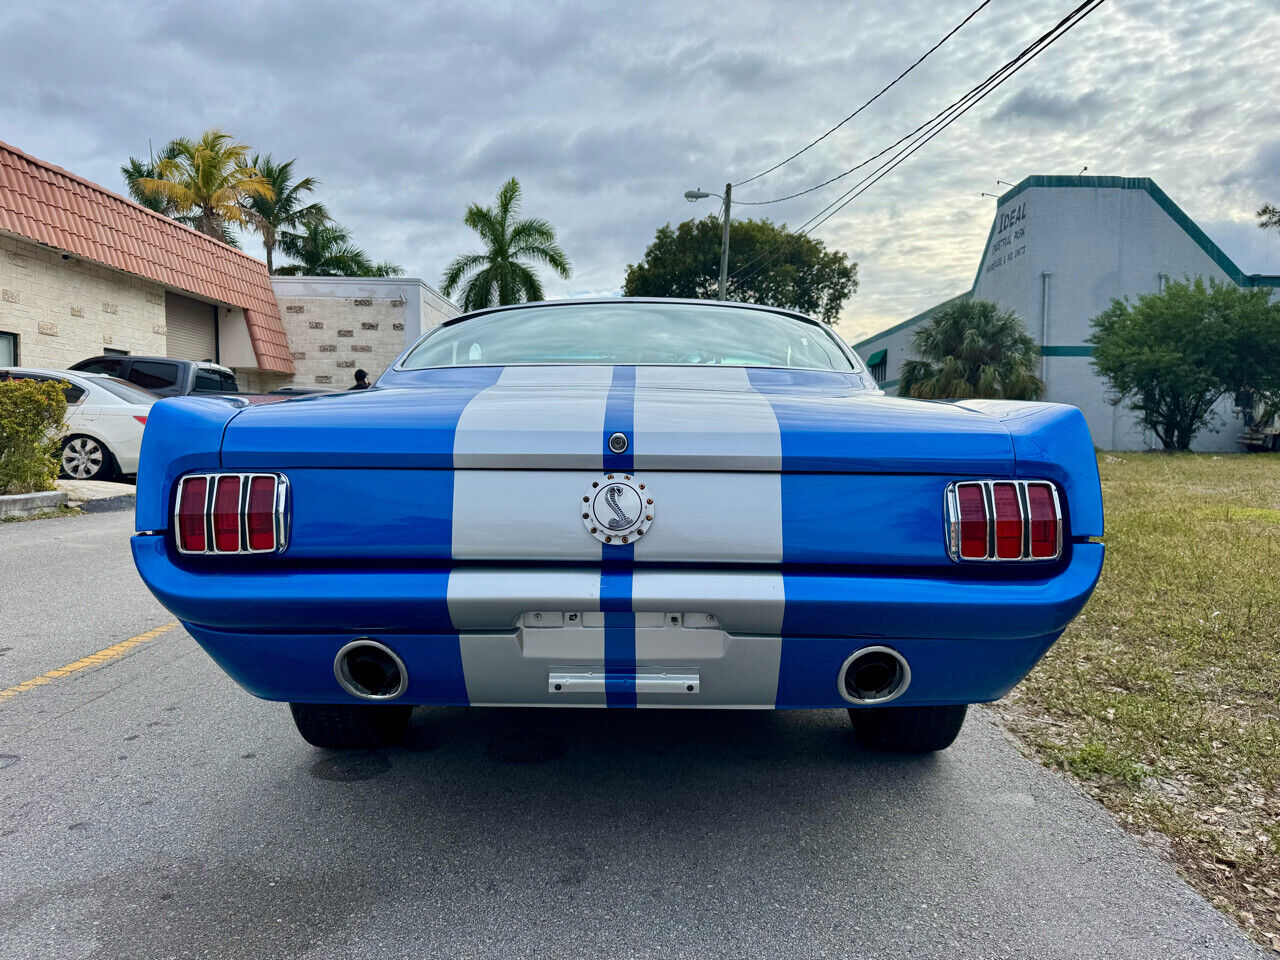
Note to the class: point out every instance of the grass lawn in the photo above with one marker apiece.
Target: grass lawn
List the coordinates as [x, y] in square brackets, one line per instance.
[1163, 697]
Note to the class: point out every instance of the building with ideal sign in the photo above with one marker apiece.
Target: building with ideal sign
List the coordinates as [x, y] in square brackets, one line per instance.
[1059, 250]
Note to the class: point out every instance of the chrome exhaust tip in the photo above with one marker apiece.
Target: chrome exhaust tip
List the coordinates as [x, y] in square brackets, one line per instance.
[370, 670]
[874, 675]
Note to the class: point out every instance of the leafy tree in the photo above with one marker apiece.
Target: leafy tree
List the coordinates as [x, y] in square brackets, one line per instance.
[768, 264]
[286, 208]
[209, 180]
[972, 348]
[1174, 354]
[504, 273]
[326, 250]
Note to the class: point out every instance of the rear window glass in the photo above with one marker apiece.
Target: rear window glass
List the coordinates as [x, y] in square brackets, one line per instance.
[100, 365]
[125, 391]
[633, 333]
[154, 375]
[207, 381]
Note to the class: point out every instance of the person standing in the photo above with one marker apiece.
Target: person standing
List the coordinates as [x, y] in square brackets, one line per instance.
[362, 381]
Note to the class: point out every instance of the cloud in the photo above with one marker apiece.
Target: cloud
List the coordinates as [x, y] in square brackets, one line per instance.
[1049, 108]
[608, 112]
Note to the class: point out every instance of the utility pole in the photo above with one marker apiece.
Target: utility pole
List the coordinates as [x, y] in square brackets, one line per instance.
[691, 196]
[724, 246]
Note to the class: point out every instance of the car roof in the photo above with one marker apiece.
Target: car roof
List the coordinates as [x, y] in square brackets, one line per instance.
[202, 364]
[764, 308]
[44, 372]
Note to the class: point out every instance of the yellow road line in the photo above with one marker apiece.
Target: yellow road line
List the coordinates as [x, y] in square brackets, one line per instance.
[113, 652]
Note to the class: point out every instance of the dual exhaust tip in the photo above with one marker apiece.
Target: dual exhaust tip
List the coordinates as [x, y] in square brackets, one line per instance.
[370, 670]
[874, 675]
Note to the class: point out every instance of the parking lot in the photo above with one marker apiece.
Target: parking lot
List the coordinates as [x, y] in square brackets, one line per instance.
[149, 808]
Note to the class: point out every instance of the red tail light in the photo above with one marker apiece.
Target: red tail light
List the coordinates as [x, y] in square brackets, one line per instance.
[1001, 520]
[260, 518]
[226, 515]
[141, 420]
[973, 522]
[1008, 521]
[1046, 525]
[231, 513]
[192, 506]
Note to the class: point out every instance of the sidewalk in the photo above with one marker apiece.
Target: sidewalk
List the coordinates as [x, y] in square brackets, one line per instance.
[98, 496]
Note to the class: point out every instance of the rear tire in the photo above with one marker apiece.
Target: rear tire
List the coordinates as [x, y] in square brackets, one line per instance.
[351, 726]
[84, 458]
[908, 729]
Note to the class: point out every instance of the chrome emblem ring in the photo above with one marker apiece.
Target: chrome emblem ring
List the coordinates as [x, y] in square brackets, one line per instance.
[617, 509]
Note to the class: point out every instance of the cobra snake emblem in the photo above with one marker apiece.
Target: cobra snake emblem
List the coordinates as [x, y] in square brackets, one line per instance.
[611, 500]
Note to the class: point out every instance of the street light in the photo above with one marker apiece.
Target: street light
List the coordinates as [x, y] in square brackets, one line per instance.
[694, 195]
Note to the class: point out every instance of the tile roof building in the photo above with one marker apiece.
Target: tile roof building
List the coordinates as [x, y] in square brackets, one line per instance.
[85, 271]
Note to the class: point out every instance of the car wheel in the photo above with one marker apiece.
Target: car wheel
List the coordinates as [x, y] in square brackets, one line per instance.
[351, 726]
[908, 729]
[84, 458]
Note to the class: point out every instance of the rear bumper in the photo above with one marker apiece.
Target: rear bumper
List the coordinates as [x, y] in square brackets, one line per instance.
[497, 670]
[772, 638]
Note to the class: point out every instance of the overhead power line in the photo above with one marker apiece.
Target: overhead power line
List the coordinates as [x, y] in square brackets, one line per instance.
[813, 143]
[927, 131]
[1042, 39]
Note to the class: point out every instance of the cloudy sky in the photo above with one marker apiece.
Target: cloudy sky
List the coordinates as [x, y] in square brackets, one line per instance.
[608, 112]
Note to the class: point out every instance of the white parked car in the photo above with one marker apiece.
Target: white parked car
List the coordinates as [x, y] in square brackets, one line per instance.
[105, 419]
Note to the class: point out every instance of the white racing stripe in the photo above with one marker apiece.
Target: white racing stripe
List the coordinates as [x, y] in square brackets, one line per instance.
[737, 656]
[713, 513]
[710, 415]
[531, 515]
[539, 431]
[536, 417]
[505, 665]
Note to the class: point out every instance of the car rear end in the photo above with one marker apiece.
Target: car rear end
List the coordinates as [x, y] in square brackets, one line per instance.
[808, 544]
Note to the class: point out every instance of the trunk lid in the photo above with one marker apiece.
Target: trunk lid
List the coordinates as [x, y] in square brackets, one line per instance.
[675, 418]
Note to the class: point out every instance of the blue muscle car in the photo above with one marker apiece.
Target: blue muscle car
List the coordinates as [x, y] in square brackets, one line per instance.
[622, 503]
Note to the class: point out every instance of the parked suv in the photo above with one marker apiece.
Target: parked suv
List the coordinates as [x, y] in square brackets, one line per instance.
[164, 375]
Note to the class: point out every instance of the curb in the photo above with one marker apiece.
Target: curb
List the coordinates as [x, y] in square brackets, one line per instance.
[29, 504]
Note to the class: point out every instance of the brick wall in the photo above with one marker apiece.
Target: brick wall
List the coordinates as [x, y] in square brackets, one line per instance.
[333, 337]
[66, 310]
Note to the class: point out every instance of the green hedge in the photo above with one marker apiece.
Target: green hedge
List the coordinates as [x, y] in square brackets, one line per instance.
[31, 429]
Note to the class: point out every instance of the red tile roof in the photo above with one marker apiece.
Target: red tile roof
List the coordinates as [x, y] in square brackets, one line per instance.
[47, 204]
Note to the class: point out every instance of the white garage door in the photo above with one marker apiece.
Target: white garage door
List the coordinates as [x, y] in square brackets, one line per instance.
[192, 328]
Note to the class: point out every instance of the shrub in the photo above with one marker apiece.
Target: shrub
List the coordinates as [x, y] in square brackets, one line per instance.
[31, 428]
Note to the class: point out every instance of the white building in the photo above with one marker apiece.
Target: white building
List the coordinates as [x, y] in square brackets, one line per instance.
[337, 325]
[1059, 250]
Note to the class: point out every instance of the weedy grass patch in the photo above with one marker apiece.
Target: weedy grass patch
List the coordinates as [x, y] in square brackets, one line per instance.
[1163, 697]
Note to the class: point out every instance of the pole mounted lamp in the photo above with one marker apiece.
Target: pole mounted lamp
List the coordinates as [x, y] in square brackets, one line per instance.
[694, 195]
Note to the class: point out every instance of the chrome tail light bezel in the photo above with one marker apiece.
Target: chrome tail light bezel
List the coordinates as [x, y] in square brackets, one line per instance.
[952, 507]
[280, 513]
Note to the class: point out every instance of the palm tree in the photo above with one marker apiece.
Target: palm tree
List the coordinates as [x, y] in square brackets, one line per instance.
[286, 208]
[502, 274]
[972, 348]
[209, 180]
[326, 250]
[137, 170]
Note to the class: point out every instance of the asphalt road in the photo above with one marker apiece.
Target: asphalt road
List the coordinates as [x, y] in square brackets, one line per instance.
[149, 808]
